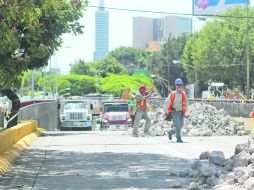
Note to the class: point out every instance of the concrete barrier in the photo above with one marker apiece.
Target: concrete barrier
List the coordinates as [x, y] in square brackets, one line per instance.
[14, 140]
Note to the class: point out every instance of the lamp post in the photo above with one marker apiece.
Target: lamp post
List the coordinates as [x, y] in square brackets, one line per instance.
[66, 89]
[247, 52]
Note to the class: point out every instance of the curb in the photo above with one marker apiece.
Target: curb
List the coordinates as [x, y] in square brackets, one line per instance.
[10, 155]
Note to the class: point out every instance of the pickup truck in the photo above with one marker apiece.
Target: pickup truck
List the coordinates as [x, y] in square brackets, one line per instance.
[115, 115]
[76, 114]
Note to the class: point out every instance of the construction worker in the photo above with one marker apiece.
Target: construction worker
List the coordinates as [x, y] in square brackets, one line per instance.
[252, 113]
[176, 104]
[141, 110]
[127, 95]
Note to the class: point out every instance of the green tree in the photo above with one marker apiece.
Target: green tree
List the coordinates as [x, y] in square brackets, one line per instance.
[173, 50]
[30, 33]
[115, 84]
[80, 67]
[109, 65]
[26, 81]
[131, 58]
[78, 84]
[218, 51]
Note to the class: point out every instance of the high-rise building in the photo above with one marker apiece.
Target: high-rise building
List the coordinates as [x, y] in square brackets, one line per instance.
[101, 32]
[147, 31]
[176, 25]
[142, 31]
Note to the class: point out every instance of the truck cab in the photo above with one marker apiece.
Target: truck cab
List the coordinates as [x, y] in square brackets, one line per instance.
[115, 115]
[76, 114]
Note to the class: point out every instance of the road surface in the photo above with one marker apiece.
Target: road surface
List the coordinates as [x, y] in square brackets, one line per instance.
[109, 160]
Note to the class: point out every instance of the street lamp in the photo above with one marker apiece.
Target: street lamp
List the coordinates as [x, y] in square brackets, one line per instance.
[66, 89]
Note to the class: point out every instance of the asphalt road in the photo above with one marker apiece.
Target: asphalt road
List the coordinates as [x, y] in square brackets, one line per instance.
[109, 160]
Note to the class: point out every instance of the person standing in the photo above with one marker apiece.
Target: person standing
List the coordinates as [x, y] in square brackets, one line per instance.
[176, 105]
[141, 110]
[252, 113]
[127, 95]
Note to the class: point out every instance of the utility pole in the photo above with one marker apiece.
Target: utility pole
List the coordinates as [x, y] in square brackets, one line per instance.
[44, 83]
[247, 54]
[32, 85]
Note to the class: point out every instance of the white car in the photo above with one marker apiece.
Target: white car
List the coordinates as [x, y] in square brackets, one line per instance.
[4, 102]
[76, 115]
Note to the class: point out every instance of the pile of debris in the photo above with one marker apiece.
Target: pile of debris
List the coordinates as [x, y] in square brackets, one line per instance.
[202, 120]
[206, 120]
[213, 171]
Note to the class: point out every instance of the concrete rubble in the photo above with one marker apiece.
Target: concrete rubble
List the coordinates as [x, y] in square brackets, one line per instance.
[213, 171]
[202, 120]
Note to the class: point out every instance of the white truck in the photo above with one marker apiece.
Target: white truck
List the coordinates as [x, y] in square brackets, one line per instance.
[76, 114]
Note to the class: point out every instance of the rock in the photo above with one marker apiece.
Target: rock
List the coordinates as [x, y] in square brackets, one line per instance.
[217, 158]
[175, 184]
[251, 149]
[204, 155]
[240, 147]
[194, 186]
[249, 184]
[211, 181]
[241, 159]
[203, 120]
[206, 171]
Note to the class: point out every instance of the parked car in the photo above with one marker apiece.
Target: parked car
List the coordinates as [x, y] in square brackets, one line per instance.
[4, 102]
[76, 115]
[115, 115]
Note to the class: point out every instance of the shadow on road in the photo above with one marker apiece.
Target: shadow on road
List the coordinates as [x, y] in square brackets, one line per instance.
[54, 169]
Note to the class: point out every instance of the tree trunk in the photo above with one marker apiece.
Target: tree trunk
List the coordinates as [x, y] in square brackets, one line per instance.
[14, 108]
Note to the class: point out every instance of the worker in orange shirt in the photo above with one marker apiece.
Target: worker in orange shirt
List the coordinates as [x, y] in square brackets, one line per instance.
[252, 113]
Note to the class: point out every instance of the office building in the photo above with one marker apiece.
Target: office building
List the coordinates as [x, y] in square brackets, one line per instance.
[101, 32]
[148, 31]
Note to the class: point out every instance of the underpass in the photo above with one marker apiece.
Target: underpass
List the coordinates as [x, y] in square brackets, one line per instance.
[109, 160]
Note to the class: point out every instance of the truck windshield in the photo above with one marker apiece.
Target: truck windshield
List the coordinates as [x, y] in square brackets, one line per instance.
[116, 108]
[75, 106]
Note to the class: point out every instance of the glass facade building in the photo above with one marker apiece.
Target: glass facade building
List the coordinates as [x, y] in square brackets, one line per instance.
[101, 32]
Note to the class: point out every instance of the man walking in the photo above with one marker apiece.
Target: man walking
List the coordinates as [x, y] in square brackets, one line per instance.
[176, 104]
[141, 110]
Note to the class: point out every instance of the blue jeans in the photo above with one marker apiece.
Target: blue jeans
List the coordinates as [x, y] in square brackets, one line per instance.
[139, 115]
[178, 124]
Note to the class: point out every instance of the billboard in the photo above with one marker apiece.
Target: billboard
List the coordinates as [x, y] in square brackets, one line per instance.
[215, 7]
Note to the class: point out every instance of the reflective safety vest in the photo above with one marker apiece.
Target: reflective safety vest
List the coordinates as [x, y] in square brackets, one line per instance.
[172, 100]
[141, 104]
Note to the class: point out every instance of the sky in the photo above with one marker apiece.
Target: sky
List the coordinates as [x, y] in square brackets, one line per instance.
[120, 28]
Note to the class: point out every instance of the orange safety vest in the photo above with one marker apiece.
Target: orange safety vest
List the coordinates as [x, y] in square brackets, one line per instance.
[252, 114]
[142, 104]
[172, 100]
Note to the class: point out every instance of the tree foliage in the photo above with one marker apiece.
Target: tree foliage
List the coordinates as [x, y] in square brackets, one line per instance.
[78, 84]
[128, 56]
[115, 84]
[172, 50]
[30, 33]
[99, 68]
[218, 51]
[80, 67]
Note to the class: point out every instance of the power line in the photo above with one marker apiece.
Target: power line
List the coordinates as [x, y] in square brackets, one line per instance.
[169, 13]
[143, 11]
